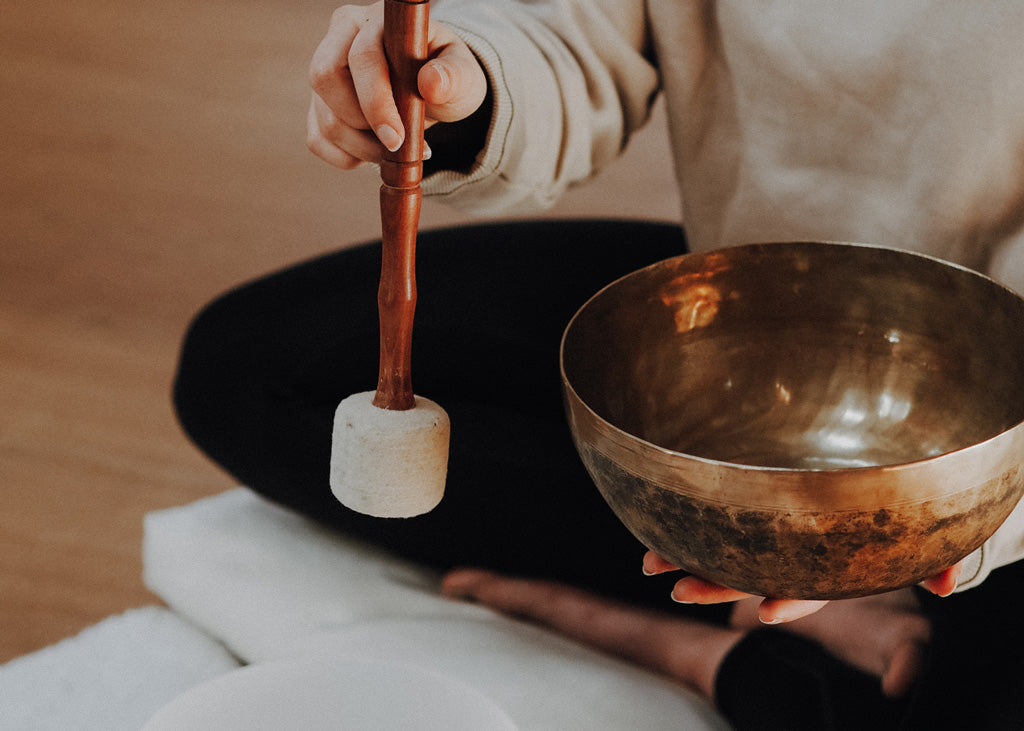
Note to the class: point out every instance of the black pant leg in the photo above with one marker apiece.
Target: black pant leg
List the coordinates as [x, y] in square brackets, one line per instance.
[773, 680]
[264, 367]
[975, 674]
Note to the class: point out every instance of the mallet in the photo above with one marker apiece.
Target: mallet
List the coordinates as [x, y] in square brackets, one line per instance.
[389, 455]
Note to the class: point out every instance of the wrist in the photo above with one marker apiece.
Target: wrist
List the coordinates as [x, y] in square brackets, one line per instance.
[457, 145]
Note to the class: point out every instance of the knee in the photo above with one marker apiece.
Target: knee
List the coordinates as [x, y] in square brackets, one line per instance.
[206, 372]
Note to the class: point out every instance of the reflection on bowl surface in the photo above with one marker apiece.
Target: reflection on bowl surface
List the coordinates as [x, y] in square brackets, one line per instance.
[802, 419]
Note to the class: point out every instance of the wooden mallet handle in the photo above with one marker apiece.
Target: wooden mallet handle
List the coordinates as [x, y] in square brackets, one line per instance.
[405, 45]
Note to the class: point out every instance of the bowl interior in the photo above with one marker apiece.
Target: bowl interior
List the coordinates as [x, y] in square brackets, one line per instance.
[802, 355]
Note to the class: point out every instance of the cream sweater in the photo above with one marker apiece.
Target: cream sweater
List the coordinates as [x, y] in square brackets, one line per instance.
[899, 124]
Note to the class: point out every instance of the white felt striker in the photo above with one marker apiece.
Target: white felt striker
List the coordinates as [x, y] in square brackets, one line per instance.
[388, 463]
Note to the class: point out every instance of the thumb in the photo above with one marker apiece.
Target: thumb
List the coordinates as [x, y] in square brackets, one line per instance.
[453, 84]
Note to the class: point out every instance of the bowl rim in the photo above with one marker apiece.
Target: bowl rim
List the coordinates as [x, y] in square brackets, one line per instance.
[1011, 437]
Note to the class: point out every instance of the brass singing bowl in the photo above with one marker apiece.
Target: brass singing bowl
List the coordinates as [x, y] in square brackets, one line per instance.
[802, 420]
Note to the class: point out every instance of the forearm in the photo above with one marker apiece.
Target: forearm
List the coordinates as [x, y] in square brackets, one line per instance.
[569, 82]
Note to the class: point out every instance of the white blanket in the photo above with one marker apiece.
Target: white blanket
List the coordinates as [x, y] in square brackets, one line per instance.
[113, 676]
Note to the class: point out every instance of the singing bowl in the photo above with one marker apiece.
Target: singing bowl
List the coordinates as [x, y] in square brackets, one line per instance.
[802, 420]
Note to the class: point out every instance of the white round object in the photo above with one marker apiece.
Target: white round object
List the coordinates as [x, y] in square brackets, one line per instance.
[389, 464]
[321, 693]
[540, 680]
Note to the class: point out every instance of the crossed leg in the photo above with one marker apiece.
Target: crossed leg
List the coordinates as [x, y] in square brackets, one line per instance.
[883, 635]
[686, 650]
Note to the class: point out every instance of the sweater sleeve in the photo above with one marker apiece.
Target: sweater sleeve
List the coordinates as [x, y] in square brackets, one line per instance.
[1004, 547]
[570, 80]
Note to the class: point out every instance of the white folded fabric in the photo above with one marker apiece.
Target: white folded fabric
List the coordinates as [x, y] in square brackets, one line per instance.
[261, 578]
[114, 675]
[276, 587]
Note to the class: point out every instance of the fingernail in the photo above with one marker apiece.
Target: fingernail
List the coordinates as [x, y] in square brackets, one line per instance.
[444, 79]
[677, 600]
[389, 137]
[427, 152]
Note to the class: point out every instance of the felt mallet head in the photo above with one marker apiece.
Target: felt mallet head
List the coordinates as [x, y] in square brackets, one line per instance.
[388, 463]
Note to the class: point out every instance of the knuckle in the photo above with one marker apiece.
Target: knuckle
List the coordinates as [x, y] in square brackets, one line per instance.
[363, 56]
[353, 18]
[313, 143]
[325, 128]
[332, 128]
[346, 15]
[322, 76]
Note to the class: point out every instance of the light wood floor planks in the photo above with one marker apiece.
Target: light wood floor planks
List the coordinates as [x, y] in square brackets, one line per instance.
[152, 155]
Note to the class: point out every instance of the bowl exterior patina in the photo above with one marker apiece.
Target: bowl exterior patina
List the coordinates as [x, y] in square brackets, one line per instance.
[802, 420]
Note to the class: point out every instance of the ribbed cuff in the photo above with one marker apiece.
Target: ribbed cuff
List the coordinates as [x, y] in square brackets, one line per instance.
[975, 569]
[445, 181]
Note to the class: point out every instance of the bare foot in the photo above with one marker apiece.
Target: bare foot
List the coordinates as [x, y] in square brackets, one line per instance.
[884, 635]
[687, 650]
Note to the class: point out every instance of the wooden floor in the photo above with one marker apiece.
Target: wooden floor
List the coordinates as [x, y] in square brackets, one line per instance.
[152, 155]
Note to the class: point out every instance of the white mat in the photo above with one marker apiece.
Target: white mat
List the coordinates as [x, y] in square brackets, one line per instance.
[113, 676]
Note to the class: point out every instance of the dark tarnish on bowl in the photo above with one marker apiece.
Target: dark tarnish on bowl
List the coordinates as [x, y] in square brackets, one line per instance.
[802, 420]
